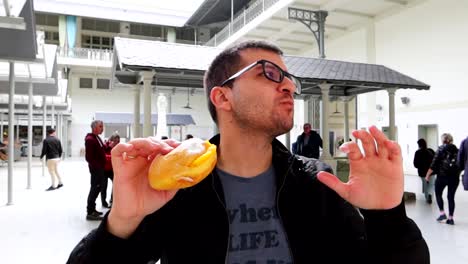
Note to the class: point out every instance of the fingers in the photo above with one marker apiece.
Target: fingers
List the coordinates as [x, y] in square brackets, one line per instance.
[368, 142]
[394, 150]
[334, 183]
[172, 142]
[375, 143]
[380, 138]
[141, 147]
[352, 149]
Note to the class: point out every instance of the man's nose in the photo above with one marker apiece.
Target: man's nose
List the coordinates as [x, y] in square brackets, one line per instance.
[287, 85]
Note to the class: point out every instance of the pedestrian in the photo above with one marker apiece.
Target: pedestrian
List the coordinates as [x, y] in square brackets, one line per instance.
[422, 161]
[113, 140]
[445, 166]
[96, 158]
[463, 161]
[52, 150]
[308, 144]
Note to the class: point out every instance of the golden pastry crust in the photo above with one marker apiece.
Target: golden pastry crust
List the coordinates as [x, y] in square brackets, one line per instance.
[184, 166]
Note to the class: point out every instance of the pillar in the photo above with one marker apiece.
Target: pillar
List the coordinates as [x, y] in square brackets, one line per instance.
[391, 113]
[136, 112]
[11, 138]
[30, 133]
[147, 78]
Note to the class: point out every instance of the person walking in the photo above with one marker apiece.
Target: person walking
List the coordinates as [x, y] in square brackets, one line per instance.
[462, 160]
[96, 158]
[422, 161]
[445, 166]
[52, 150]
[113, 140]
[308, 144]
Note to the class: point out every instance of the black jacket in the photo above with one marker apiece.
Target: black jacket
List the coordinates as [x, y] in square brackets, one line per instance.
[320, 226]
[462, 160]
[312, 148]
[51, 148]
[422, 160]
[437, 164]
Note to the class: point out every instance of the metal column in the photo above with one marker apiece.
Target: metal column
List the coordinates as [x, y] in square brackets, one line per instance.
[44, 126]
[30, 132]
[11, 138]
[391, 113]
[136, 113]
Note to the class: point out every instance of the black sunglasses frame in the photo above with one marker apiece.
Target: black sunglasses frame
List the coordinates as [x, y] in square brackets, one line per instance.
[262, 62]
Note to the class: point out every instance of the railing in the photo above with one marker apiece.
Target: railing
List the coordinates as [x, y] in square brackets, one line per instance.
[243, 18]
[85, 53]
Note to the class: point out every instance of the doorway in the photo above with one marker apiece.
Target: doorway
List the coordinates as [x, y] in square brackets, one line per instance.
[431, 134]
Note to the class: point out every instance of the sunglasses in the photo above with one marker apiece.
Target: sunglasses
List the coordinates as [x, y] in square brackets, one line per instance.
[271, 71]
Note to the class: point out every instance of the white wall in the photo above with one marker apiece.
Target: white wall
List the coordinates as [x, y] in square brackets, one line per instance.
[429, 43]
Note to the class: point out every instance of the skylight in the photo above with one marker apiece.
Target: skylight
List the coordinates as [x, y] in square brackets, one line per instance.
[161, 12]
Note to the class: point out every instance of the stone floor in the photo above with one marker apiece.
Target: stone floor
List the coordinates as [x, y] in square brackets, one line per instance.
[43, 227]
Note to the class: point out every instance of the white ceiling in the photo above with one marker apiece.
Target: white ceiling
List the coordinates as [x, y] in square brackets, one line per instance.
[169, 13]
[344, 16]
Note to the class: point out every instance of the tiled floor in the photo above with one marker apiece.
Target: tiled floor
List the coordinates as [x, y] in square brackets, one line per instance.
[43, 227]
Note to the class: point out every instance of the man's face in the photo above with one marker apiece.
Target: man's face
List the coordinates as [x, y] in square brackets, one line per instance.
[259, 103]
[98, 129]
[307, 129]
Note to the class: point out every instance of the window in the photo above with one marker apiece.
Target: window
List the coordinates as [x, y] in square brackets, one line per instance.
[97, 42]
[86, 83]
[51, 37]
[47, 20]
[100, 25]
[147, 30]
[103, 83]
[185, 34]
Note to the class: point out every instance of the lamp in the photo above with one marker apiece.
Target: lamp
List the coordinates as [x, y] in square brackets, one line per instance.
[188, 100]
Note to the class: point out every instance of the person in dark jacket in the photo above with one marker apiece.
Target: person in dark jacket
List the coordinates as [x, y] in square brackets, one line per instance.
[448, 175]
[463, 162]
[261, 204]
[113, 140]
[96, 158]
[308, 144]
[52, 150]
[422, 161]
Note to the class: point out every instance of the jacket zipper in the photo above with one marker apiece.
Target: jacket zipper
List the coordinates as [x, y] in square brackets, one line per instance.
[279, 213]
[227, 216]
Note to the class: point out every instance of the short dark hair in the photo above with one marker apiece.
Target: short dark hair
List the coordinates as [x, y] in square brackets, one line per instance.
[422, 143]
[227, 63]
[50, 131]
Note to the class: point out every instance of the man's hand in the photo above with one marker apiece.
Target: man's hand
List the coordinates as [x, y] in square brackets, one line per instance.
[133, 196]
[376, 177]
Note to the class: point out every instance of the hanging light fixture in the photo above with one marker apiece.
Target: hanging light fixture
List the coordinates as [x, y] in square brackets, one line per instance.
[188, 100]
[336, 108]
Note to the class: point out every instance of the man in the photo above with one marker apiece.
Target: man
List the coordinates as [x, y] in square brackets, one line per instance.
[462, 160]
[52, 150]
[308, 143]
[260, 204]
[96, 158]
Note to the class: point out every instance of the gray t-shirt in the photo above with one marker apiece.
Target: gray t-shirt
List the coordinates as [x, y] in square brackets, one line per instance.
[256, 232]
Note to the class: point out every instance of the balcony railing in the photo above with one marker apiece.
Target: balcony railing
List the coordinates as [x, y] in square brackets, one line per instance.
[243, 18]
[85, 53]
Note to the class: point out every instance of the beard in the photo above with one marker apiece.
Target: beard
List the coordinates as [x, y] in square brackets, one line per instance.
[255, 116]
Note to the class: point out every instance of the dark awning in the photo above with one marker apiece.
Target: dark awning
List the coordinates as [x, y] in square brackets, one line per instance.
[180, 65]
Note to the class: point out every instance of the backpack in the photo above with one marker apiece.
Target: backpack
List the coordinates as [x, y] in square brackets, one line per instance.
[449, 163]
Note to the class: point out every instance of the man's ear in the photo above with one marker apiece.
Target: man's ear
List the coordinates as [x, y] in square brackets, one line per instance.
[220, 97]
